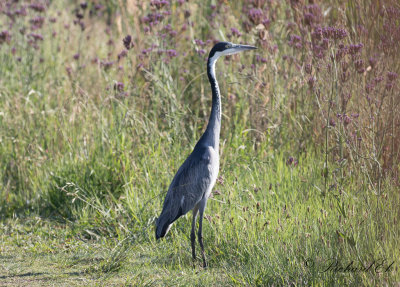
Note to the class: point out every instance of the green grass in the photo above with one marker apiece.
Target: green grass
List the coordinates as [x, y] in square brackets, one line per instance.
[267, 222]
[84, 168]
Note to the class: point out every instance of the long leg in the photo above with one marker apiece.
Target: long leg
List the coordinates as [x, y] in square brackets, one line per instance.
[193, 232]
[202, 207]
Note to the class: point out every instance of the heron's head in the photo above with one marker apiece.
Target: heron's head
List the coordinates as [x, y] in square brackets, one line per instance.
[227, 48]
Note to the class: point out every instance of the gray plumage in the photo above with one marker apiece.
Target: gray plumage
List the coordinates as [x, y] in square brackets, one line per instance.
[196, 177]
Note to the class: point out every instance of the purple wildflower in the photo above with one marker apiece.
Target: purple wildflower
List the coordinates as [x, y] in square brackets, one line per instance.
[119, 87]
[159, 3]
[21, 11]
[255, 15]
[98, 7]
[378, 79]
[392, 76]
[341, 52]
[344, 76]
[82, 25]
[236, 32]
[5, 36]
[359, 65]
[308, 68]
[308, 18]
[266, 22]
[79, 15]
[295, 41]
[186, 13]
[172, 53]
[345, 66]
[334, 33]
[84, 5]
[199, 42]
[36, 37]
[295, 38]
[37, 21]
[354, 49]
[68, 70]
[128, 43]
[317, 34]
[146, 51]
[346, 120]
[346, 97]
[106, 64]
[369, 87]
[325, 44]
[372, 62]
[318, 51]
[38, 7]
[291, 161]
[122, 54]
[389, 86]
[311, 82]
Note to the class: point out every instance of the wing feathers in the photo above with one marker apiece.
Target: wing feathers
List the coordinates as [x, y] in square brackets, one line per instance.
[187, 188]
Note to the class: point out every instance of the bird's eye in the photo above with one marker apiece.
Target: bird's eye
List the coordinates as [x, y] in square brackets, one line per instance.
[228, 46]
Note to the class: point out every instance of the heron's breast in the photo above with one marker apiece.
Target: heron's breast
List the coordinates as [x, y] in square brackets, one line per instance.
[213, 169]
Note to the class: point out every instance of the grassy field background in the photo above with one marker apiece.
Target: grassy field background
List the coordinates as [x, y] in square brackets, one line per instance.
[100, 103]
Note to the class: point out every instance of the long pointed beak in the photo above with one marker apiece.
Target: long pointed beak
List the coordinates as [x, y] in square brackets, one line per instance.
[240, 48]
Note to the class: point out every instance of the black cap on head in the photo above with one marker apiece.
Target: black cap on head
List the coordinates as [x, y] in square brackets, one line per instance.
[228, 48]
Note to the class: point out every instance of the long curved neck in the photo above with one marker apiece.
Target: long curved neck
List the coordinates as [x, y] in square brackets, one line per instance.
[211, 135]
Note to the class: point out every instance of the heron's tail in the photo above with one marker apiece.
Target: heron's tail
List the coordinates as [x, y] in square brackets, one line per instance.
[164, 223]
[162, 229]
